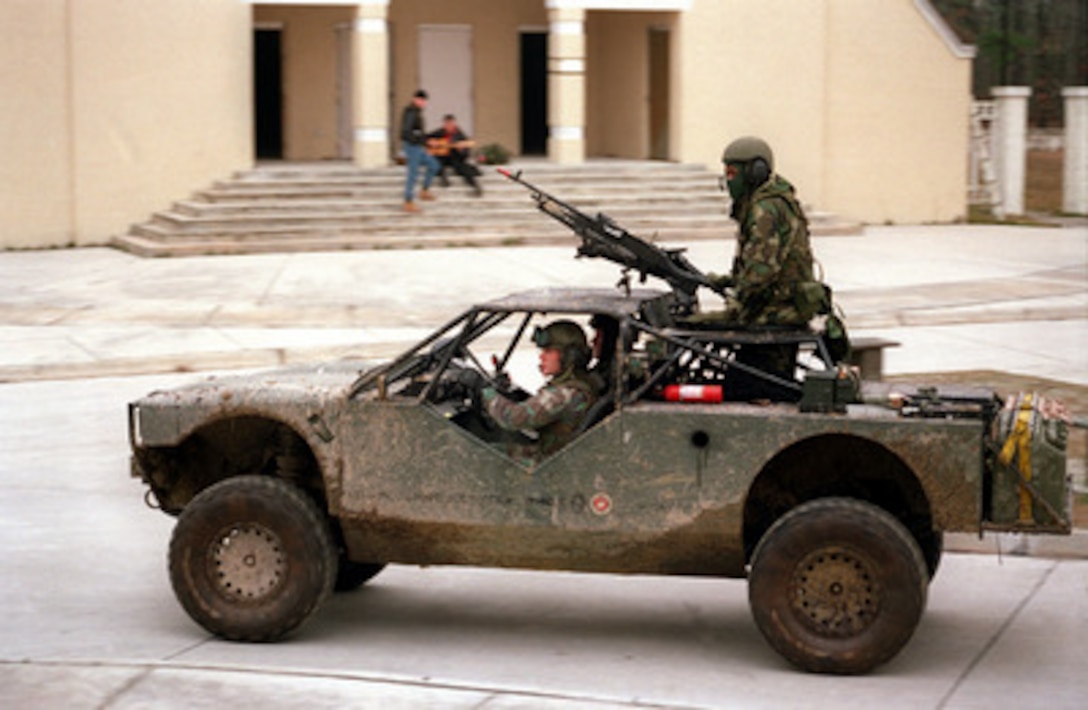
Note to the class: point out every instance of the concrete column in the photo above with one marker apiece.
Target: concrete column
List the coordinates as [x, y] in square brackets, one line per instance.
[566, 85]
[1075, 171]
[1010, 145]
[370, 79]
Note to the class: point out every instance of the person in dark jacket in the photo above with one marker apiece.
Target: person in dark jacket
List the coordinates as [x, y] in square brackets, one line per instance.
[414, 143]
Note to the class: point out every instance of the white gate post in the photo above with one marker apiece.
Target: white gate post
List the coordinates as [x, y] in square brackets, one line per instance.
[1075, 170]
[1011, 144]
[982, 183]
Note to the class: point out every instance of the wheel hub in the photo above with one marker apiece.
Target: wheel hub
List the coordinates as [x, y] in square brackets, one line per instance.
[835, 592]
[248, 562]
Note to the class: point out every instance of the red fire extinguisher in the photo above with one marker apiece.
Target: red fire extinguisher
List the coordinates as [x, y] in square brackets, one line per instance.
[693, 393]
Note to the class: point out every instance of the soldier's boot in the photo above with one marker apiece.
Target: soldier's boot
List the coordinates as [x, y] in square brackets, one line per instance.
[426, 195]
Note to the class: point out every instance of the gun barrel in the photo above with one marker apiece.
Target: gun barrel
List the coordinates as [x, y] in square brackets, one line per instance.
[604, 237]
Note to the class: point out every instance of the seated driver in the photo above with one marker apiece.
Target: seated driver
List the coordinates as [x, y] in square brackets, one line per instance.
[558, 408]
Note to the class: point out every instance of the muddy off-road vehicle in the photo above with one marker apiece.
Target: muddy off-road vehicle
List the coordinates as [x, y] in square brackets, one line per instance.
[831, 496]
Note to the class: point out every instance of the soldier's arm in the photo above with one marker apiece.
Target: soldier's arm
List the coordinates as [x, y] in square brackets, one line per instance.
[543, 408]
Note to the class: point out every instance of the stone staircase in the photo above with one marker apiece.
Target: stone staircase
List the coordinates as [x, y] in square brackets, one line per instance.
[283, 207]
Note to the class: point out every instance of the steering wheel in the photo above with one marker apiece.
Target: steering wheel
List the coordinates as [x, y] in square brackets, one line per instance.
[460, 382]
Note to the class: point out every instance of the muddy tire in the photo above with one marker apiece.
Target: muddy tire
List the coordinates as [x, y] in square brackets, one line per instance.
[837, 585]
[251, 558]
[932, 546]
[352, 575]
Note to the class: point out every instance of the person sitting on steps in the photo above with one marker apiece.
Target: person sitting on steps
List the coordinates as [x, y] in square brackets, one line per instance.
[452, 147]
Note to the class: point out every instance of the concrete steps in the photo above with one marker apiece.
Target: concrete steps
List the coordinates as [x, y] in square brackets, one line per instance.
[281, 207]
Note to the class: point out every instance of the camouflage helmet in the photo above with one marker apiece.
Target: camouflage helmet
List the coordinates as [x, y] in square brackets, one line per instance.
[747, 149]
[757, 160]
[568, 338]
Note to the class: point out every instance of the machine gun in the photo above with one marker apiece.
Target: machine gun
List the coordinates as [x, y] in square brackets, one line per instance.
[603, 237]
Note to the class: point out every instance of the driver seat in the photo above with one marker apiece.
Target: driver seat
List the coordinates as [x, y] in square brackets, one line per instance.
[597, 411]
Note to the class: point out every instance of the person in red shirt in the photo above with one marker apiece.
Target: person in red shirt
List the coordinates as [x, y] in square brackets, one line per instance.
[452, 148]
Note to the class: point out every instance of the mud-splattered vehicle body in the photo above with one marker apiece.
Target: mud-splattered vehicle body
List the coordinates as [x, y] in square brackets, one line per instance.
[290, 483]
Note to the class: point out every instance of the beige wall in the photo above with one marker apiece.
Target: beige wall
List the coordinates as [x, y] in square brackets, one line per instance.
[900, 102]
[36, 200]
[112, 109]
[617, 82]
[856, 97]
[617, 118]
[742, 74]
[309, 56]
[496, 64]
[861, 101]
[125, 105]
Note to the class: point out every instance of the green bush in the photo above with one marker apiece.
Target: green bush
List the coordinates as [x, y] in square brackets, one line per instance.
[493, 154]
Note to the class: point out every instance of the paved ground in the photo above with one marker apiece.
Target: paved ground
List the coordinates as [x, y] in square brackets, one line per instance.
[999, 631]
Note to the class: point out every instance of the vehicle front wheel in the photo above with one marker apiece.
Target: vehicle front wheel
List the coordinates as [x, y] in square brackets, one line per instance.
[251, 558]
[837, 585]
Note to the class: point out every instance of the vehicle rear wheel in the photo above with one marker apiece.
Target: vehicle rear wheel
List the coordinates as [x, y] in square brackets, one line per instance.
[837, 585]
[251, 558]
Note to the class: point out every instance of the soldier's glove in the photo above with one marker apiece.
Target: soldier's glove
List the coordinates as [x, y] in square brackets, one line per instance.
[719, 282]
[501, 382]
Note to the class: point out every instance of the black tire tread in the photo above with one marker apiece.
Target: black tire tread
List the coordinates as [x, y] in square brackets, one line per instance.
[266, 488]
[872, 523]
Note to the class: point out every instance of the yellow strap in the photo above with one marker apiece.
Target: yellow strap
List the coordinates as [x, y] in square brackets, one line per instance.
[1019, 443]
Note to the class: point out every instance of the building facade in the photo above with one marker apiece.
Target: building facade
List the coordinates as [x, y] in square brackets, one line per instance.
[114, 108]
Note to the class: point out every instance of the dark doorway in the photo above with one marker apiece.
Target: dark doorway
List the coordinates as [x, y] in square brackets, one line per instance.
[268, 94]
[534, 93]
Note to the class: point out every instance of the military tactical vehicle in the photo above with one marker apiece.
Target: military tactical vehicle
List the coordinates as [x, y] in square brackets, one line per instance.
[831, 495]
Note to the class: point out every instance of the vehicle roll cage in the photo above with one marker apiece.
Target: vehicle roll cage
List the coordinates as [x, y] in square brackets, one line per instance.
[716, 347]
[691, 355]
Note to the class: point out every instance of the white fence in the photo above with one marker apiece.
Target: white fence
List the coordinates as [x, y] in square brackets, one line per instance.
[999, 145]
[982, 186]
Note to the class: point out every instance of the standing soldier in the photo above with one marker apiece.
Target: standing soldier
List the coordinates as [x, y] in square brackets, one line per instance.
[558, 408]
[773, 254]
[771, 277]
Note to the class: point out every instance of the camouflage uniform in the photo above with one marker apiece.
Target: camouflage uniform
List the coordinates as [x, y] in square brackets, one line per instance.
[773, 257]
[555, 412]
[772, 270]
